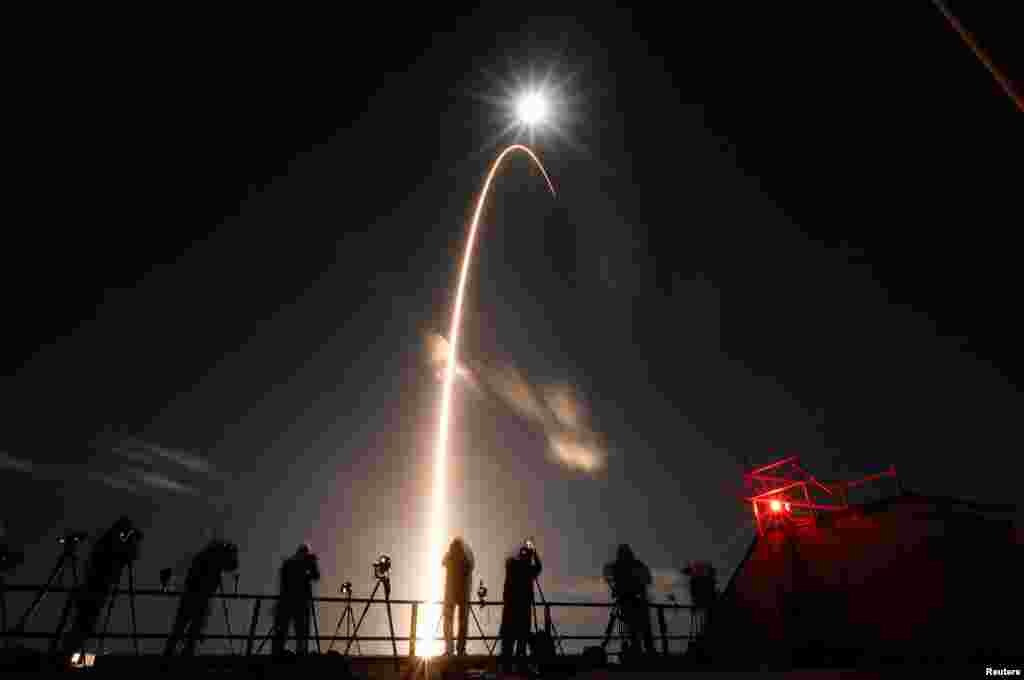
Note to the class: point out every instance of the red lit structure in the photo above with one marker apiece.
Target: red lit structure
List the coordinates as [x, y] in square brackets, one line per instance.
[906, 577]
[784, 491]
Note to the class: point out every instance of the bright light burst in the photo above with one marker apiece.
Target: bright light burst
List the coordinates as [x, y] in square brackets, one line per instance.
[532, 108]
[425, 643]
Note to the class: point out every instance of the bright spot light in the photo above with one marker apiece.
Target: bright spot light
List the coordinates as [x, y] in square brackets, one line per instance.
[776, 506]
[532, 108]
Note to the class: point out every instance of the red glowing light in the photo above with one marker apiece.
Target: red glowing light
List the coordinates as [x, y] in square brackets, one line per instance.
[776, 506]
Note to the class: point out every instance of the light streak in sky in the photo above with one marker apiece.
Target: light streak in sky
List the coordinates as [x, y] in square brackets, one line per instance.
[426, 645]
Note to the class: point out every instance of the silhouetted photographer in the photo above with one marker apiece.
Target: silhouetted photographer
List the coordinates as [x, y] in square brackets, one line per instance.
[202, 581]
[703, 584]
[629, 579]
[294, 605]
[521, 570]
[111, 553]
[458, 563]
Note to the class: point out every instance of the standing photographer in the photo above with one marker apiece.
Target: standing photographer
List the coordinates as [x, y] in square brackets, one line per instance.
[297, 576]
[458, 563]
[204, 577]
[520, 572]
[630, 578]
[112, 552]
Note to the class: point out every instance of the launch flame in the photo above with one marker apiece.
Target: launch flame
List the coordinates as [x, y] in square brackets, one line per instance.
[439, 519]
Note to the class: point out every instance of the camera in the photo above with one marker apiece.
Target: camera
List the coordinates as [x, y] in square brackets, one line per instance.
[72, 538]
[346, 589]
[481, 593]
[128, 535]
[382, 567]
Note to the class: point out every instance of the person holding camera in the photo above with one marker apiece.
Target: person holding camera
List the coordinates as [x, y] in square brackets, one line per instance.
[629, 579]
[521, 570]
[112, 552]
[203, 580]
[458, 563]
[296, 598]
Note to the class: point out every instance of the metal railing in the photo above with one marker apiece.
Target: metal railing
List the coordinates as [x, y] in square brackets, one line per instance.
[254, 636]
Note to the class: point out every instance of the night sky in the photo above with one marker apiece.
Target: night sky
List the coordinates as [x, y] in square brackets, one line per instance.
[777, 230]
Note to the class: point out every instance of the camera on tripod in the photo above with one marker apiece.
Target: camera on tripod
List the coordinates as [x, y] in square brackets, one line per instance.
[346, 589]
[72, 538]
[382, 567]
[481, 593]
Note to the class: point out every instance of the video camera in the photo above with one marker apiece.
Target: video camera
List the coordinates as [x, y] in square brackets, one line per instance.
[382, 567]
[346, 589]
[131, 534]
[124, 545]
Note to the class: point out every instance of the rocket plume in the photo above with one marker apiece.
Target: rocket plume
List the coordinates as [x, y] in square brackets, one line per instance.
[439, 519]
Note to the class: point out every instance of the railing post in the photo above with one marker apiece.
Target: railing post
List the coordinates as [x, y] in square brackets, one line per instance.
[252, 626]
[664, 629]
[412, 629]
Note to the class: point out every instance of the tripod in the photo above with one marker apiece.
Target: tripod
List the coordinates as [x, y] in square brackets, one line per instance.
[68, 556]
[469, 607]
[614, 617]
[316, 629]
[549, 625]
[110, 609]
[349, 619]
[227, 619]
[386, 581]
[490, 648]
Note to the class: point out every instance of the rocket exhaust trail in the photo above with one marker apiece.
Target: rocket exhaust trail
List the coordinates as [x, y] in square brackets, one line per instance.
[439, 519]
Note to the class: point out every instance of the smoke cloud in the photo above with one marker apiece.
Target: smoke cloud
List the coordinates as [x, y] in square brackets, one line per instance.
[557, 408]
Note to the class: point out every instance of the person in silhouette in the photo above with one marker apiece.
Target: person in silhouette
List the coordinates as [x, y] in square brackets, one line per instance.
[458, 564]
[112, 552]
[630, 578]
[203, 580]
[521, 570]
[703, 586]
[296, 598]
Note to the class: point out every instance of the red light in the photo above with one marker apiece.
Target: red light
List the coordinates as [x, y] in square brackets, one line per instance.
[787, 507]
[776, 506]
